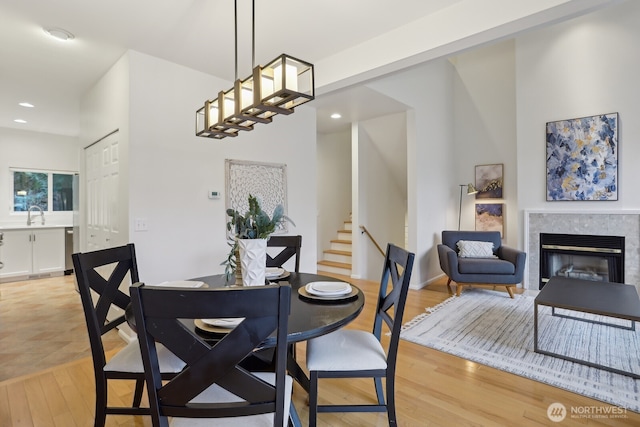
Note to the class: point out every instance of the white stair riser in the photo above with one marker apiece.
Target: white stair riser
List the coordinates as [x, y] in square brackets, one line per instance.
[341, 246]
[344, 236]
[337, 258]
[347, 226]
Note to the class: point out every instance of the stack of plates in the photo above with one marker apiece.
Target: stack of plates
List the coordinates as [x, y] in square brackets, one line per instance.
[182, 284]
[218, 326]
[273, 272]
[328, 289]
[228, 323]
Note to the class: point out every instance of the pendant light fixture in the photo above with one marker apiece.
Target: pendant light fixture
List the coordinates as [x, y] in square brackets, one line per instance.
[276, 88]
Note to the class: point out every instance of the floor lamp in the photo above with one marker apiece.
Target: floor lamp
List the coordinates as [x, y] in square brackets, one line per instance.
[470, 190]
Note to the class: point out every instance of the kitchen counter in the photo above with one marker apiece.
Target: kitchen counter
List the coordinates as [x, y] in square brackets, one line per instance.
[29, 227]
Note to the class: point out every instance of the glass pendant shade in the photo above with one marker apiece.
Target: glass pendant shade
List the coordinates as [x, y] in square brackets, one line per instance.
[285, 83]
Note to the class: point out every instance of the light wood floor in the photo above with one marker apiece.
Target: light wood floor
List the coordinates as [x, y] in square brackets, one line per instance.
[46, 374]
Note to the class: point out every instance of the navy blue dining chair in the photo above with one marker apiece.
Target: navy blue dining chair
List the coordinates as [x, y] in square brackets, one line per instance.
[214, 388]
[349, 353]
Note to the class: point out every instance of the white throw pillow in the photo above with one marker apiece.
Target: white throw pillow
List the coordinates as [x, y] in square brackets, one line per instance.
[475, 249]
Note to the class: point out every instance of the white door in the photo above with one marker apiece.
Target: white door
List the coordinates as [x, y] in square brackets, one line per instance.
[102, 179]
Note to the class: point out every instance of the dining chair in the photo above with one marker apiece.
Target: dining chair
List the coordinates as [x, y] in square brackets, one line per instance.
[348, 353]
[213, 388]
[291, 248]
[102, 273]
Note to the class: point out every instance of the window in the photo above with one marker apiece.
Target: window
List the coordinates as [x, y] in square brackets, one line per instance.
[51, 191]
[62, 192]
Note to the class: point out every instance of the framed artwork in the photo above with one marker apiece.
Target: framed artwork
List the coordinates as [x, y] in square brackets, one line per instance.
[582, 158]
[266, 181]
[490, 217]
[489, 179]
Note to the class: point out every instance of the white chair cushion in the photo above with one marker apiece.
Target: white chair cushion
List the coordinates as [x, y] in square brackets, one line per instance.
[216, 393]
[129, 359]
[345, 350]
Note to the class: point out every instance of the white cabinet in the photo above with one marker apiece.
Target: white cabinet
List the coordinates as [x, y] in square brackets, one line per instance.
[48, 250]
[33, 251]
[16, 253]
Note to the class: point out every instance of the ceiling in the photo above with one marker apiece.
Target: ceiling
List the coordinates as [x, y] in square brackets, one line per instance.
[199, 34]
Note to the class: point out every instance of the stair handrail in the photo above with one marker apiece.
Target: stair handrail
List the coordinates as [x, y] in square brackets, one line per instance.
[364, 230]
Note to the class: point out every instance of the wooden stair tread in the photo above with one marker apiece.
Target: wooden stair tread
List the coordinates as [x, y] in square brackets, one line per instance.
[348, 242]
[337, 252]
[335, 264]
[343, 243]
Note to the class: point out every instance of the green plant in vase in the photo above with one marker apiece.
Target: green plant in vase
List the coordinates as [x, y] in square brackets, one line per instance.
[254, 224]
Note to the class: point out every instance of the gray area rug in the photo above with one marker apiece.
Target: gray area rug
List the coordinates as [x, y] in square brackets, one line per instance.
[490, 328]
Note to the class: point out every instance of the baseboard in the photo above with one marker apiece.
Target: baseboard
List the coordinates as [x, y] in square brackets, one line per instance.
[422, 285]
[126, 333]
[24, 277]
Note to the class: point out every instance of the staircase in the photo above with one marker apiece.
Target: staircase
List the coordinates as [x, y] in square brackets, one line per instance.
[337, 259]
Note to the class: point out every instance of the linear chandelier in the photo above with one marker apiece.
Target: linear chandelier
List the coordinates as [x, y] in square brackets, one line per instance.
[276, 88]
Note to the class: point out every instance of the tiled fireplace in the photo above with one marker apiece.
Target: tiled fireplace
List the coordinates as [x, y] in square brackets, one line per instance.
[623, 224]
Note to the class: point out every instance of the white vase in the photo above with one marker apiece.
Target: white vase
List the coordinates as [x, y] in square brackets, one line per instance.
[253, 261]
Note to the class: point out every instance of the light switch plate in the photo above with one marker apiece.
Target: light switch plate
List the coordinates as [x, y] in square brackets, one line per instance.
[141, 224]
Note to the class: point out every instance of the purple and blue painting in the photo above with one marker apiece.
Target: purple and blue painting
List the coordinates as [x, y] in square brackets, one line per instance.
[490, 217]
[582, 158]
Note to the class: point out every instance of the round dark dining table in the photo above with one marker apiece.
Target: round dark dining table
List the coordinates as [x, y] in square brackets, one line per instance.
[308, 318]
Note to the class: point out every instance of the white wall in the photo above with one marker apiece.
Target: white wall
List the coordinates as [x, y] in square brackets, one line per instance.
[427, 90]
[579, 68]
[485, 129]
[334, 186]
[33, 150]
[171, 171]
[105, 109]
[383, 201]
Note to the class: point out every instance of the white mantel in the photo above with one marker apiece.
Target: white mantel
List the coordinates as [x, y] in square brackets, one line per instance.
[610, 223]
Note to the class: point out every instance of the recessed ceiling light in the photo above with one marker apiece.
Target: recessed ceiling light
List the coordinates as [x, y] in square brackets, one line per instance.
[20, 121]
[59, 33]
[336, 116]
[26, 104]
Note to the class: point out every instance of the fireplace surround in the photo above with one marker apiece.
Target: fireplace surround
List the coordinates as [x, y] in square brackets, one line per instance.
[621, 222]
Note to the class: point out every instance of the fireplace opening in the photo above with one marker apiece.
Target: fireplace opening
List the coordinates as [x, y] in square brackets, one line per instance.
[598, 258]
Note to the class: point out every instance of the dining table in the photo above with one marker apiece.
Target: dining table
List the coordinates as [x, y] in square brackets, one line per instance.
[310, 316]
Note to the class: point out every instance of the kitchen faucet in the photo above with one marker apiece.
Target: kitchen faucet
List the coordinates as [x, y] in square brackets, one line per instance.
[29, 220]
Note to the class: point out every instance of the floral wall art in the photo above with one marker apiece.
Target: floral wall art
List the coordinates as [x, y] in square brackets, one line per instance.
[266, 181]
[582, 158]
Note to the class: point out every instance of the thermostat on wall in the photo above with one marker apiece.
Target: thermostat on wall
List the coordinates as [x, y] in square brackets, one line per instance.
[214, 194]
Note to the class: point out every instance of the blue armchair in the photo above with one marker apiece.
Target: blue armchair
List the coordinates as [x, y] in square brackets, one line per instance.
[479, 258]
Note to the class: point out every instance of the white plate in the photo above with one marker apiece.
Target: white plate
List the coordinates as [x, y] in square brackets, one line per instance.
[328, 289]
[182, 284]
[273, 272]
[228, 323]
